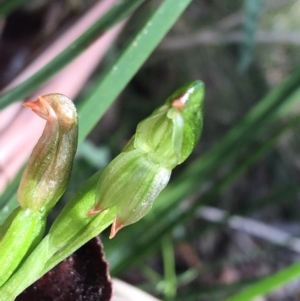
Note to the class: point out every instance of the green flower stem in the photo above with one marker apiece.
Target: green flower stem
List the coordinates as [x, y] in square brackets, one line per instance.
[170, 281]
[21, 232]
[46, 256]
[71, 230]
[95, 227]
[73, 218]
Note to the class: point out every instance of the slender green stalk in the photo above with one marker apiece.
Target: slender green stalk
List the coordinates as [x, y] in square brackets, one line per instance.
[170, 281]
[71, 230]
[19, 235]
[46, 255]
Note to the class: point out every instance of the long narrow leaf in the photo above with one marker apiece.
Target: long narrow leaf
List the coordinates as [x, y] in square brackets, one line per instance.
[113, 16]
[268, 284]
[131, 59]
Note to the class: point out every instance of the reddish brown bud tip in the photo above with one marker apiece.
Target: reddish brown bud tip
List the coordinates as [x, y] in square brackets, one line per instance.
[93, 211]
[115, 227]
[41, 108]
[178, 104]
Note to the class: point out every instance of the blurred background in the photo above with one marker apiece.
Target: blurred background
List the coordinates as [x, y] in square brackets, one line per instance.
[230, 216]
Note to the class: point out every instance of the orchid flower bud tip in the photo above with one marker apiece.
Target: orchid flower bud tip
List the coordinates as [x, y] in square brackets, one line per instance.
[115, 227]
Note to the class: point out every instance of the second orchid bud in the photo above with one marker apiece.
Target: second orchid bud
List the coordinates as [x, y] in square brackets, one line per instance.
[47, 173]
[133, 180]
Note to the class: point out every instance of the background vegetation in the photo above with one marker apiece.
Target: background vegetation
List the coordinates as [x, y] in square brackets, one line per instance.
[229, 220]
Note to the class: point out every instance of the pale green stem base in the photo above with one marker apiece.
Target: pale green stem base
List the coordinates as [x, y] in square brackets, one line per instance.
[46, 256]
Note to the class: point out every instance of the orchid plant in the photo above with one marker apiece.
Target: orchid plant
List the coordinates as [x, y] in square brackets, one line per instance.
[120, 194]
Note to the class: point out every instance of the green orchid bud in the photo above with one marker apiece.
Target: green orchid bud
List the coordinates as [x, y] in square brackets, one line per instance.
[137, 181]
[47, 173]
[134, 179]
[171, 132]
